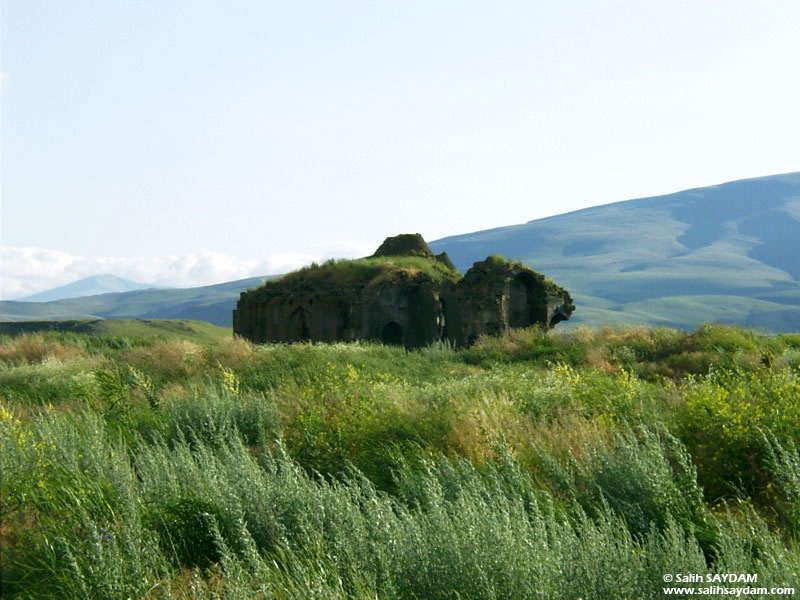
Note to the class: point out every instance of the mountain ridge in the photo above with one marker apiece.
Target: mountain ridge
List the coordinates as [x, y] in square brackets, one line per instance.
[735, 239]
[104, 283]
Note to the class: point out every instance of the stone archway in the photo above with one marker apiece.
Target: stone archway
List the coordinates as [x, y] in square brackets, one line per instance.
[392, 334]
[519, 302]
[298, 326]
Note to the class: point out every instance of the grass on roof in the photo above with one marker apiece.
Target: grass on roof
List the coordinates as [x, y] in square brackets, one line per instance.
[371, 271]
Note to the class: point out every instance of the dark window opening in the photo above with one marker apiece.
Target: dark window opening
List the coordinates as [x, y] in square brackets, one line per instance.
[392, 334]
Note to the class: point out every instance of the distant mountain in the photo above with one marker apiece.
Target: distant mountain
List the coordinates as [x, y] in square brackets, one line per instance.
[212, 303]
[89, 286]
[728, 253]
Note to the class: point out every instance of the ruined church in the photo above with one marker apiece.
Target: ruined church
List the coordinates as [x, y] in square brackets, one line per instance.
[401, 295]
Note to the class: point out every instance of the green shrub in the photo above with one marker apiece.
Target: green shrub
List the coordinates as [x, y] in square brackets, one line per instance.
[187, 530]
[720, 422]
[528, 345]
[645, 476]
[213, 412]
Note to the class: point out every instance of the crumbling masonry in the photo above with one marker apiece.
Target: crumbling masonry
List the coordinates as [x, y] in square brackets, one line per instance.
[384, 299]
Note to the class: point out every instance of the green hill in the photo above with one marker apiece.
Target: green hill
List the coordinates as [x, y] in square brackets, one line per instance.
[212, 303]
[726, 253]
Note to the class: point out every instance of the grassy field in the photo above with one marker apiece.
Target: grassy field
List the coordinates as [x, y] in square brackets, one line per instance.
[138, 330]
[581, 464]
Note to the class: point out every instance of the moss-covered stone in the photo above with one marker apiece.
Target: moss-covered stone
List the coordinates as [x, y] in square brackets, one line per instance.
[405, 244]
[409, 297]
[445, 259]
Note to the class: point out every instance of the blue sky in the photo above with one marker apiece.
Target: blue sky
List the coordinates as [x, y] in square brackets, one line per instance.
[191, 142]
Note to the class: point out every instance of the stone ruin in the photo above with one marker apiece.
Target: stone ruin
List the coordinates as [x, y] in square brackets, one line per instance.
[401, 295]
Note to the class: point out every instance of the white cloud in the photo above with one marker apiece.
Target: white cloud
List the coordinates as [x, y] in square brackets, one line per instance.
[25, 270]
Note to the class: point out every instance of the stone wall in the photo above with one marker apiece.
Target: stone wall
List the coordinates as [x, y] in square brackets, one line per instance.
[413, 309]
[408, 313]
[495, 296]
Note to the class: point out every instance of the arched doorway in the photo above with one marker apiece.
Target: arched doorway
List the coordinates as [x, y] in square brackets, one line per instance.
[392, 334]
[298, 326]
[519, 302]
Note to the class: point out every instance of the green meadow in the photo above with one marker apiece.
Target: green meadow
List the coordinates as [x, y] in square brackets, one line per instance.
[159, 461]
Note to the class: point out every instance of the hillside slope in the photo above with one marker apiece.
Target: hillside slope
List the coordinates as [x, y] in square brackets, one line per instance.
[726, 253]
[213, 303]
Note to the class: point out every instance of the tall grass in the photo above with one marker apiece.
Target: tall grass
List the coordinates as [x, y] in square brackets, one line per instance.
[130, 523]
[584, 465]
